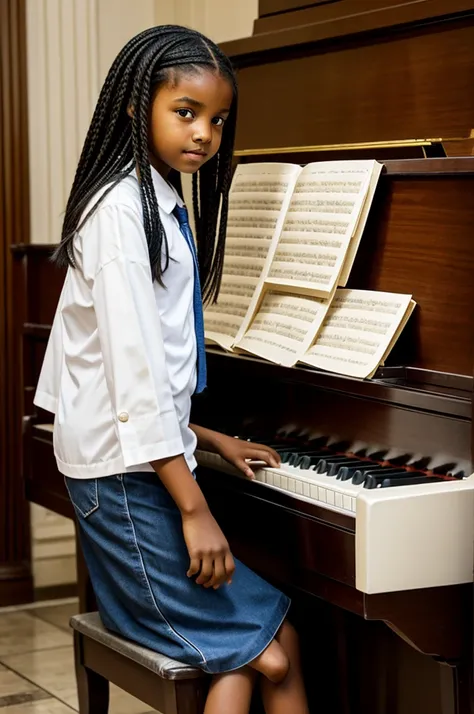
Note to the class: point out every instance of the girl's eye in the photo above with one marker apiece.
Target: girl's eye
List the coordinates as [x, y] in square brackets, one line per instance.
[185, 113]
[218, 121]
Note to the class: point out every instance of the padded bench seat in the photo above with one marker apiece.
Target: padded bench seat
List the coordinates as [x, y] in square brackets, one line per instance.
[102, 657]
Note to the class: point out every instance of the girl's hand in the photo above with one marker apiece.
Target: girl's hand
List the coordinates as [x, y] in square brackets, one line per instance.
[237, 452]
[208, 550]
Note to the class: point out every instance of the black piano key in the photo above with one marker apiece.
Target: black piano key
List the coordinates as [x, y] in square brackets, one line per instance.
[347, 471]
[401, 460]
[286, 454]
[374, 479]
[340, 447]
[444, 468]
[311, 462]
[423, 479]
[377, 455]
[335, 466]
[318, 442]
[325, 463]
[421, 464]
[360, 475]
[302, 459]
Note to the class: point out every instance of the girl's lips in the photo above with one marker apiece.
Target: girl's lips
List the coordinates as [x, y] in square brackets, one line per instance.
[196, 154]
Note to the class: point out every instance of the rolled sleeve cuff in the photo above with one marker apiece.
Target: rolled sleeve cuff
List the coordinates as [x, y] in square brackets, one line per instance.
[147, 438]
[45, 401]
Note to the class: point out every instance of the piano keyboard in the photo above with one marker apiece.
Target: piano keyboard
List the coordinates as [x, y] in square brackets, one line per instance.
[306, 485]
[414, 516]
[334, 480]
[406, 536]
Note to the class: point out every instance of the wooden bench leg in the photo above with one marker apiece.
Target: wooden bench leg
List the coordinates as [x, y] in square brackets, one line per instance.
[92, 689]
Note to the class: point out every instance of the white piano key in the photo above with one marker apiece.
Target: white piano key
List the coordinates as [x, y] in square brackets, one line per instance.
[303, 484]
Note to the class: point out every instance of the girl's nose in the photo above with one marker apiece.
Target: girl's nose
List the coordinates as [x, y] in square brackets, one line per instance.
[202, 134]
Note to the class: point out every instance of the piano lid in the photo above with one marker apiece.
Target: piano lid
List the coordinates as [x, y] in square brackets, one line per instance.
[356, 71]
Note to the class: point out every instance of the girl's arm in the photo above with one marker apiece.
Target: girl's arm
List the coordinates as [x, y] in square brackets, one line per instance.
[209, 552]
[116, 261]
[236, 451]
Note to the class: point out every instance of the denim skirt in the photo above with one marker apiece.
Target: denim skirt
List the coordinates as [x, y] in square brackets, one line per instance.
[131, 535]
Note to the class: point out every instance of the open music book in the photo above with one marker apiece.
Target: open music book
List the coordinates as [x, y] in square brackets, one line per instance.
[292, 237]
[351, 334]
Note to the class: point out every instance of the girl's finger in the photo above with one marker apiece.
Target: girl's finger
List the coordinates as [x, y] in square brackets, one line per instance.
[243, 466]
[229, 567]
[270, 457]
[207, 570]
[219, 575]
[194, 567]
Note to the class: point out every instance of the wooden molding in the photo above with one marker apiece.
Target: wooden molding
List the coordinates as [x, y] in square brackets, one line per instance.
[15, 570]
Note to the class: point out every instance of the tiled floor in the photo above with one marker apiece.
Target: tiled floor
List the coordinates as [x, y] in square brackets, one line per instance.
[37, 664]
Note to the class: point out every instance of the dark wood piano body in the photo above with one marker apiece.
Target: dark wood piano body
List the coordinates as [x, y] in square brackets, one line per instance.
[399, 74]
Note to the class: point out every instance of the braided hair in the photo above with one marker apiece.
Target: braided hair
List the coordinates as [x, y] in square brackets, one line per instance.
[116, 142]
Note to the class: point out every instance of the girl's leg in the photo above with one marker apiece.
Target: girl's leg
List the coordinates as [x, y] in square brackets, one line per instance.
[282, 684]
[288, 695]
[231, 692]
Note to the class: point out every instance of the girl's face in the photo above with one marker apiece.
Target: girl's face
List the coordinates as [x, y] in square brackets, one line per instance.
[187, 120]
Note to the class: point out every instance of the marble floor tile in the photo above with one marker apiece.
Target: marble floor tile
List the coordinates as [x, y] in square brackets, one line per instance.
[11, 683]
[58, 615]
[46, 706]
[22, 632]
[53, 671]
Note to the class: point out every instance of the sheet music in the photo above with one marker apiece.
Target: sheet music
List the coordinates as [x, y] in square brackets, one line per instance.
[284, 326]
[258, 199]
[359, 328]
[321, 220]
[356, 238]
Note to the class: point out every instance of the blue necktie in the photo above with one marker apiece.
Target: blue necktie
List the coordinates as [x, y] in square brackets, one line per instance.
[182, 216]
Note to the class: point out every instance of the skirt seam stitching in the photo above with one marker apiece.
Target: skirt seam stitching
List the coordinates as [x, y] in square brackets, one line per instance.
[160, 612]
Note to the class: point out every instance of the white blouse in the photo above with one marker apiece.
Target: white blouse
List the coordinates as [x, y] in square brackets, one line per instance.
[120, 366]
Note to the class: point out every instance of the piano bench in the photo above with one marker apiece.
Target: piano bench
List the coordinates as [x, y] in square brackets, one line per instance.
[102, 657]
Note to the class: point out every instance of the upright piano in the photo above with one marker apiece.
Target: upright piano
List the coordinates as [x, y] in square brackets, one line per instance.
[381, 579]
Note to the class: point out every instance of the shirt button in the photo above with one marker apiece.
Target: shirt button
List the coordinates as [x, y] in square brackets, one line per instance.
[123, 416]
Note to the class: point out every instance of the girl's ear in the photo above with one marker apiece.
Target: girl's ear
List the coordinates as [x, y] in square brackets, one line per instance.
[130, 111]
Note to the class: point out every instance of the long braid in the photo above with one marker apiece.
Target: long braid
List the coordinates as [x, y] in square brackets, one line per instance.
[116, 143]
[196, 211]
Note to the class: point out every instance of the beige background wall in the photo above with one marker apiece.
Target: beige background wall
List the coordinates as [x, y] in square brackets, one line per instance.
[71, 44]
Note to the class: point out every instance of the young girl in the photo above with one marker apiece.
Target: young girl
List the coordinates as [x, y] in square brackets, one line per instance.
[125, 355]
